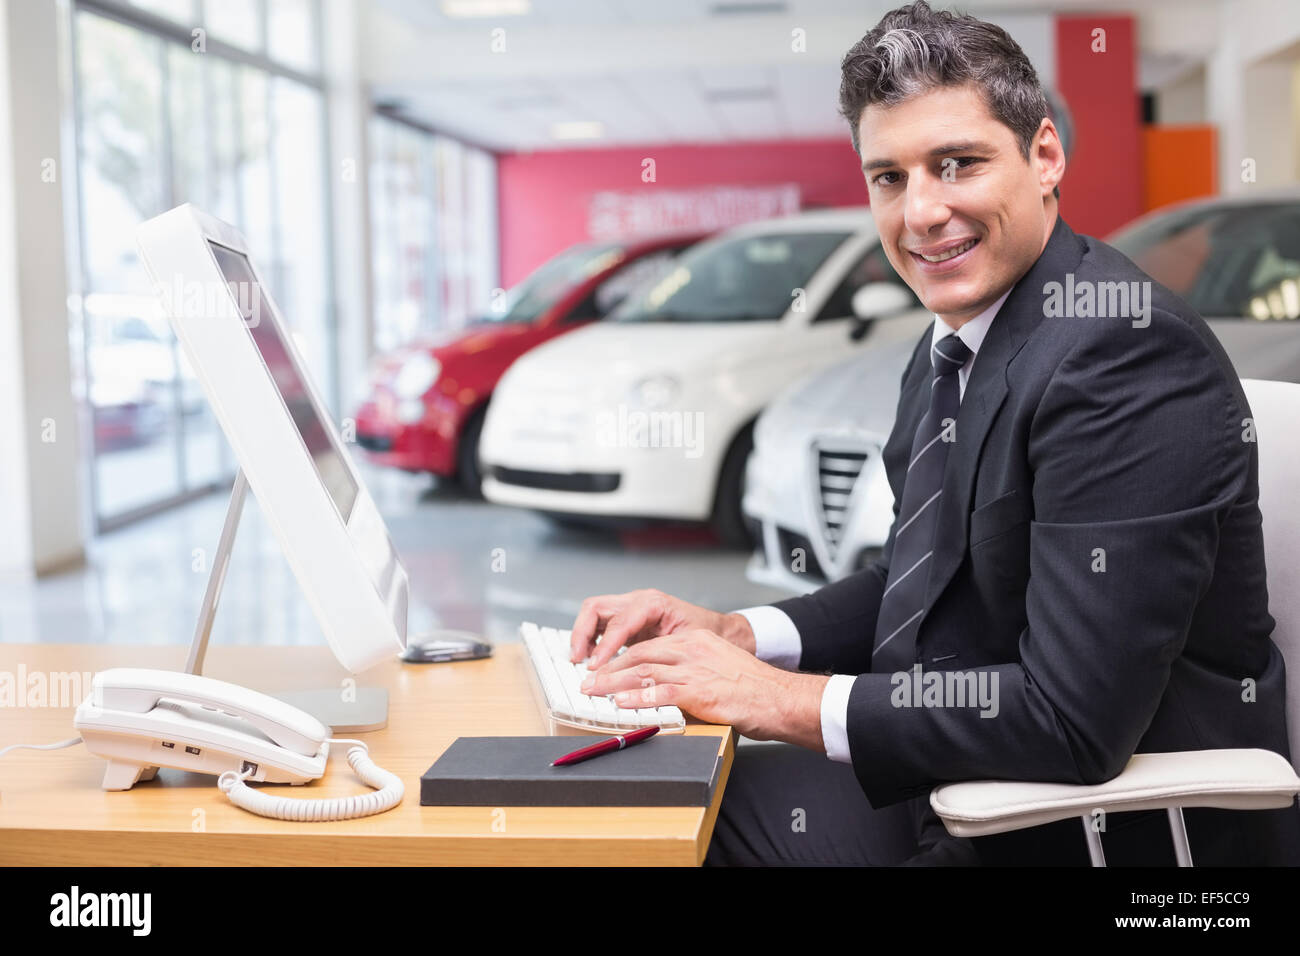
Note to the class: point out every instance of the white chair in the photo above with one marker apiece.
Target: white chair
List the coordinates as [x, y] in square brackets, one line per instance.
[1248, 779]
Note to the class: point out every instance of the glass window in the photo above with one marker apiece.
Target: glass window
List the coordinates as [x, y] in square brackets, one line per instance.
[301, 285]
[874, 266]
[291, 33]
[158, 125]
[615, 289]
[741, 279]
[402, 241]
[237, 22]
[1226, 261]
[433, 233]
[130, 358]
[181, 11]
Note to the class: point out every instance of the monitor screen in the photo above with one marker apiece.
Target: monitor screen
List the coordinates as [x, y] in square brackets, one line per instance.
[288, 378]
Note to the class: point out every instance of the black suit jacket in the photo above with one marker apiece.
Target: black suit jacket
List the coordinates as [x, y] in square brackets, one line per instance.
[1079, 440]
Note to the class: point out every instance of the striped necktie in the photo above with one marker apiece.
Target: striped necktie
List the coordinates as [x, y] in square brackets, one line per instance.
[903, 602]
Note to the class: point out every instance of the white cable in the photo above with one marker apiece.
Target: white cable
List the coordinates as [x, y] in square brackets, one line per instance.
[70, 742]
[388, 793]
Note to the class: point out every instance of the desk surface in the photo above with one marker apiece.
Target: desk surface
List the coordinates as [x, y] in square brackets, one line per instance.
[53, 812]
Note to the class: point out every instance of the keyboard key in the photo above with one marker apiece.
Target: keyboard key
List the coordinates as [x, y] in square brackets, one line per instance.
[561, 680]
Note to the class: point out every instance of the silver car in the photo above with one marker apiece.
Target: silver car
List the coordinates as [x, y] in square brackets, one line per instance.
[816, 496]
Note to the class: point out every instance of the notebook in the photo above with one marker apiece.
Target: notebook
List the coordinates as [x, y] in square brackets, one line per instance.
[676, 771]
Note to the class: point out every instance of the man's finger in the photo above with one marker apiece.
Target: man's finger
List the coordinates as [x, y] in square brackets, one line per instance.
[585, 626]
[662, 693]
[627, 623]
[643, 676]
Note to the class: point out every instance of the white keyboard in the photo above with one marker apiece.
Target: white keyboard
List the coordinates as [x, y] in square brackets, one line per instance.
[558, 681]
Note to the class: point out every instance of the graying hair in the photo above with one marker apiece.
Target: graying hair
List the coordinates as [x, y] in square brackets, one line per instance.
[914, 49]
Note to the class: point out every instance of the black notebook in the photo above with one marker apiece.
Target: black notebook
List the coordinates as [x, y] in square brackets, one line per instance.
[665, 771]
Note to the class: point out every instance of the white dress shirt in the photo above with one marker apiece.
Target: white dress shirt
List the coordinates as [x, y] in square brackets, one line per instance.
[776, 639]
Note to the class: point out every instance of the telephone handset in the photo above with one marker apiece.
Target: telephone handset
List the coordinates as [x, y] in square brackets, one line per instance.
[140, 719]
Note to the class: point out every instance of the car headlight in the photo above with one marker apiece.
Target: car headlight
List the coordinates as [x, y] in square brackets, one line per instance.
[416, 376]
[656, 391]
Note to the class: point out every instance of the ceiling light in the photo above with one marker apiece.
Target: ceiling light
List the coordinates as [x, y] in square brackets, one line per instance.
[486, 8]
[578, 129]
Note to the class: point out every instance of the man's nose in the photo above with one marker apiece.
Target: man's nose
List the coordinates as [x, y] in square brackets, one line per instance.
[926, 207]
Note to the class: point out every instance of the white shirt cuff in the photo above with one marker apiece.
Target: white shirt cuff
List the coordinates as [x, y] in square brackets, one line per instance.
[835, 717]
[776, 639]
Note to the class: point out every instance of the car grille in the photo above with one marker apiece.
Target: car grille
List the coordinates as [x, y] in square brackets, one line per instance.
[837, 472]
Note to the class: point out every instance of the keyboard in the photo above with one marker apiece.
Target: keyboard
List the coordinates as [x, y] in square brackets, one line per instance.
[558, 681]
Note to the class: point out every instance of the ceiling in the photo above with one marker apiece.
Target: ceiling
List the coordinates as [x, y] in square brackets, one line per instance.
[675, 71]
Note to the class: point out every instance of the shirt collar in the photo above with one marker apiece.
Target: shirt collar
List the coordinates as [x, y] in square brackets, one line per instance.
[973, 332]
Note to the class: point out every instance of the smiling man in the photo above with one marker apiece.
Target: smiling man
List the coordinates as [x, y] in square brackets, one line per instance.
[1075, 572]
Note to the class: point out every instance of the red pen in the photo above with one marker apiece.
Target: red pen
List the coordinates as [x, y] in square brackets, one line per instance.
[606, 746]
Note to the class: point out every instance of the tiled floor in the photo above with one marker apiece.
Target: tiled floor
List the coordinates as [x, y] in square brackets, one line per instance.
[144, 583]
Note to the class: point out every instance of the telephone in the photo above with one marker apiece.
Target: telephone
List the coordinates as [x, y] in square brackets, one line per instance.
[140, 719]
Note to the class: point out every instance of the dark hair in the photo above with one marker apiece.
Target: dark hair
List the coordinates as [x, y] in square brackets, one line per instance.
[914, 49]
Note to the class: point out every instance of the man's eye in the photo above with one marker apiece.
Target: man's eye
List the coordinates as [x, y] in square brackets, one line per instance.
[884, 179]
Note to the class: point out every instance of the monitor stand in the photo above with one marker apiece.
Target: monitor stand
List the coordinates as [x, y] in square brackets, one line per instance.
[353, 711]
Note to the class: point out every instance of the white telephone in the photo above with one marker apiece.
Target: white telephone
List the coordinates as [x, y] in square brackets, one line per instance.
[140, 719]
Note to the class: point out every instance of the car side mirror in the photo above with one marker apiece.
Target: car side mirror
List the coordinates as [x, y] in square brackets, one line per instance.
[877, 300]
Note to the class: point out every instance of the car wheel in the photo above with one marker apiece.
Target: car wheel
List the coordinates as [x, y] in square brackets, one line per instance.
[469, 469]
[728, 519]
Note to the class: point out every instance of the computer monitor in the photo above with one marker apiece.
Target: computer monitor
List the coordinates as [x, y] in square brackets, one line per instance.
[283, 437]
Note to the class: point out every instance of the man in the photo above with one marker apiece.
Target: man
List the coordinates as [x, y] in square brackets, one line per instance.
[1076, 535]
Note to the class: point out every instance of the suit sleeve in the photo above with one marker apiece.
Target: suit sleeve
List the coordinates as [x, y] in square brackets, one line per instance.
[1137, 453]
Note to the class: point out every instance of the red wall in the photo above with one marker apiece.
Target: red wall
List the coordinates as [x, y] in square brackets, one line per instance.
[543, 196]
[1102, 189]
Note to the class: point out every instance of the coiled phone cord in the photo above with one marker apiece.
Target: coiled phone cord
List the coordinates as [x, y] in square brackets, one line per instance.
[388, 793]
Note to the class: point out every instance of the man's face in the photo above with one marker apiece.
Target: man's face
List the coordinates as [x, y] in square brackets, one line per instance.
[944, 175]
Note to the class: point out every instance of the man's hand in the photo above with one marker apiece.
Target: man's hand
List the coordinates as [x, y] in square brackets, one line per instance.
[716, 681]
[619, 619]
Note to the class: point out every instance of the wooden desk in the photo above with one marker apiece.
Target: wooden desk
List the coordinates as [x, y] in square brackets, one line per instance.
[53, 812]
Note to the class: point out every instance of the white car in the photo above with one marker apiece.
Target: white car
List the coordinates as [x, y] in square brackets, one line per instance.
[649, 414]
[816, 490]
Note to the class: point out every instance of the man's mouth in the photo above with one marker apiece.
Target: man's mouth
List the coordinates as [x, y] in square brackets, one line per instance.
[951, 252]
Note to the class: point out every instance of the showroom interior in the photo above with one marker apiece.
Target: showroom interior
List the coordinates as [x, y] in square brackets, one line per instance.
[424, 186]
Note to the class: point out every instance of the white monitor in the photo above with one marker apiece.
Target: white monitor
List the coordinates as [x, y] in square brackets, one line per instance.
[282, 434]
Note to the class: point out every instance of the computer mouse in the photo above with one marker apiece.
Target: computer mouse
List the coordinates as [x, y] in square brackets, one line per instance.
[446, 646]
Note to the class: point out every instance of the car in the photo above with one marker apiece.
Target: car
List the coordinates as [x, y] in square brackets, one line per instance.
[125, 413]
[426, 402]
[816, 493]
[649, 415]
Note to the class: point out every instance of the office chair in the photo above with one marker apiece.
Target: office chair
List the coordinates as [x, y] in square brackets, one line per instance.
[1242, 779]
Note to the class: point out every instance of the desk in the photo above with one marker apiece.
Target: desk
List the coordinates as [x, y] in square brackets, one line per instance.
[53, 812]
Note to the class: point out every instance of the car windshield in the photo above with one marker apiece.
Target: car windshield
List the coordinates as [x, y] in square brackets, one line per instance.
[1226, 261]
[742, 279]
[551, 280]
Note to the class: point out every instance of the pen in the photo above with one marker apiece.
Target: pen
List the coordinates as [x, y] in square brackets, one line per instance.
[606, 746]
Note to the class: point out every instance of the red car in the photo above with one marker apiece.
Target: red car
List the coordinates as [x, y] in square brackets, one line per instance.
[427, 401]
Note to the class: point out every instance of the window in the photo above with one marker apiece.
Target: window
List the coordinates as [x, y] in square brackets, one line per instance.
[433, 232]
[157, 125]
[1225, 260]
[745, 278]
[874, 266]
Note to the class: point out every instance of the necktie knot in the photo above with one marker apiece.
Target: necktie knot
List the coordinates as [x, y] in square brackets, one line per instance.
[949, 354]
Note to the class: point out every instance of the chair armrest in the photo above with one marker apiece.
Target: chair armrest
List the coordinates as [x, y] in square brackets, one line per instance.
[1230, 779]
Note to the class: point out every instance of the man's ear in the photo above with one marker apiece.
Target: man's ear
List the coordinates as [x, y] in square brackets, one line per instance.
[1047, 156]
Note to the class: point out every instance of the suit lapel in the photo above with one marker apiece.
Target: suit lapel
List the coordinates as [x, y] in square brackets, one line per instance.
[986, 390]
